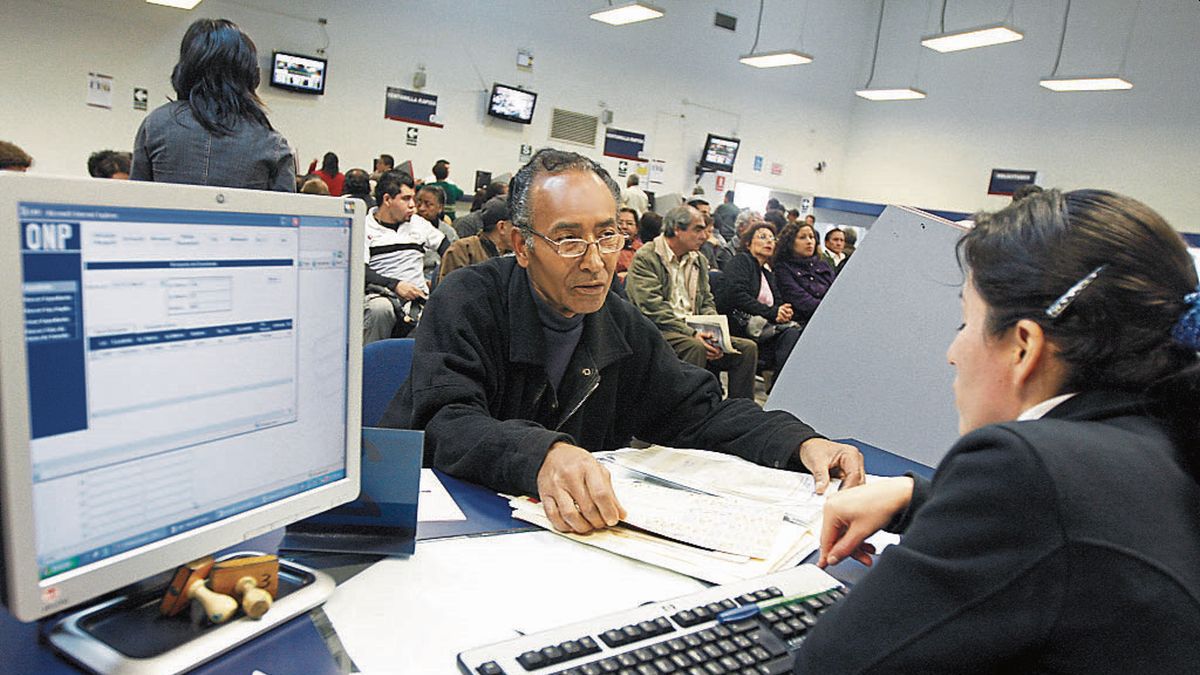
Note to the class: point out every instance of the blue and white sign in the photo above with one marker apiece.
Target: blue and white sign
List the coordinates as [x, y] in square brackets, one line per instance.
[624, 144]
[411, 106]
[758, 162]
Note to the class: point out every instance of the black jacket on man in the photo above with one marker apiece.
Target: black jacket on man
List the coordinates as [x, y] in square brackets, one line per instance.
[479, 389]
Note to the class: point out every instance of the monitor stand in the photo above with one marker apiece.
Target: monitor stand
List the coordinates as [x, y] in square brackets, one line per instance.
[127, 634]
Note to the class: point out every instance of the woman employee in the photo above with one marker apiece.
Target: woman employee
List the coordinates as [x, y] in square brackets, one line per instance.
[1061, 533]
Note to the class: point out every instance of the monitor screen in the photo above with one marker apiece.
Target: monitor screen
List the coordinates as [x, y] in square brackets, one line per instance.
[298, 73]
[180, 372]
[719, 153]
[512, 104]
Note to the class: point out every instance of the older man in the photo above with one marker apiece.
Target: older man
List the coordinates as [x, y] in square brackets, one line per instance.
[668, 281]
[523, 366]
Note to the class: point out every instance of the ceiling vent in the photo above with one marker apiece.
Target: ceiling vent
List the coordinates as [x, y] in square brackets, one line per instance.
[574, 127]
[725, 21]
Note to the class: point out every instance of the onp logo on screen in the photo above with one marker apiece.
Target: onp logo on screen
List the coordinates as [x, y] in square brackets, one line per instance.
[50, 237]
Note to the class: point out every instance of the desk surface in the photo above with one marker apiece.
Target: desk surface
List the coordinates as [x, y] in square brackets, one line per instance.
[449, 573]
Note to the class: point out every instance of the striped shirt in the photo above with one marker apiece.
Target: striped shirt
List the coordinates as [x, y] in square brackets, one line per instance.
[400, 253]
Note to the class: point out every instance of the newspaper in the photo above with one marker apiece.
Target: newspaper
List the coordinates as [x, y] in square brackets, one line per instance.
[715, 324]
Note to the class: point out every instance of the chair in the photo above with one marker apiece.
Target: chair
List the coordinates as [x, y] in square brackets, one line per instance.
[386, 364]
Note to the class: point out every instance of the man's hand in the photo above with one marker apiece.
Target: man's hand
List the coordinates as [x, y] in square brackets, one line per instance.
[576, 491]
[408, 291]
[711, 351]
[853, 515]
[823, 458]
[784, 314]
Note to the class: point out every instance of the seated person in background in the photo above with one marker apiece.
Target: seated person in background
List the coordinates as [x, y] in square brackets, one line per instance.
[451, 193]
[1061, 532]
[835, 246]
[13, 158]
[746, 219]
[383, 164]
[748, 296]
[627, 223]
[109, 164]
[430, 204]
[470, 223]
[396, 240]
[801, 275]
[649, 226]
[314, 185]
[494, 240]
[668, 281]
[358, 186]
[524, 365]
[851, 236]
[793, 216]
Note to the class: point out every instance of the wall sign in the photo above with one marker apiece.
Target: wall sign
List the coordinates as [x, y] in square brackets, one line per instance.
[410, 136]
[1006, 181]
[100, 90]
[624, 144]
[415, 107]
[141, 98]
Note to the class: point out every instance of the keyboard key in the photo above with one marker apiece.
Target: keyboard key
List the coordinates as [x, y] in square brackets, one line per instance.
[731, 664]
[531, 660]
[702, 613]
[727, 646]
[721, 631]
[571, 648]
[783, 630]
[664, 666]
[609, 665]
[686, 618]
[767, 641]
[591, 669]
[759, 653]
[747, 599]
[742, 642]
[643, 655]
[728, 603]
[742, 626]
[765, 594]
[714, 668]
[713, 651]
[715, 608]
[589, 645]
[706, 635]
[681, 660]
[660, 649]
[633, 633]
[777, 667]
[692, 640]
[696, 655]
[553, 655]
[745, 659]
[648, 627]
[613, 637]
[646, 669]
[627, 659]
[774, 592]
[663, 625]
[814, 603]
[677, 644]
[490, 668]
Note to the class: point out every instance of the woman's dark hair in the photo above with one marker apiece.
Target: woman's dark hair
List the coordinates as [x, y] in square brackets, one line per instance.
[776, 218]
[649, 226]
[329, 164]
[217, 74]
[1116, 333]
[748, 235]
[787, 239]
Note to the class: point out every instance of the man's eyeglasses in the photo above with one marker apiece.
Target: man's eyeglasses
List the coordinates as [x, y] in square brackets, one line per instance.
[575, 248]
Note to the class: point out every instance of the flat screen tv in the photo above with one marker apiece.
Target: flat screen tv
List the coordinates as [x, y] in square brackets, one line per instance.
[719, 153]
[296, 72]
[512, 104]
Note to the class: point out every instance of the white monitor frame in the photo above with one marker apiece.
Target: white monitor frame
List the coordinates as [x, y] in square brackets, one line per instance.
[28, 598]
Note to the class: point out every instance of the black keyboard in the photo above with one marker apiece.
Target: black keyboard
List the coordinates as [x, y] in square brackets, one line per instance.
[680, 636]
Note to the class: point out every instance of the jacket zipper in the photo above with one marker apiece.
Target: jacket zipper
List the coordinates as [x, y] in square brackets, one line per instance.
[594, 385]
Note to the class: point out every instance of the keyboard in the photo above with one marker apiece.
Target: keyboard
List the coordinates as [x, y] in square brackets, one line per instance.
[680, 636]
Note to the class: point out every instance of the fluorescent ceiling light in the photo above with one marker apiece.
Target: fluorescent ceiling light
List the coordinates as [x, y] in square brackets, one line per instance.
[181, 4]
[970, 39]
[787, 57]
[907, 94]
[632, 12]
[1086, 83]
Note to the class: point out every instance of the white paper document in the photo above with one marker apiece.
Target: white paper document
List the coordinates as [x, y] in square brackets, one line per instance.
[435, 503]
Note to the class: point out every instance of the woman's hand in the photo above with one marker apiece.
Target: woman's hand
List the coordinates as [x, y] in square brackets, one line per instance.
[784, 314]
[853, 515]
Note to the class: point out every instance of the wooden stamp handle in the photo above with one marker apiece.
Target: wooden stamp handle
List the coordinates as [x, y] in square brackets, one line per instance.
[255, 601]
[217, 607]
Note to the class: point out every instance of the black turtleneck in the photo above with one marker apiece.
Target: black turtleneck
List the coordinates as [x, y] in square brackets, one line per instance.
[562, 335]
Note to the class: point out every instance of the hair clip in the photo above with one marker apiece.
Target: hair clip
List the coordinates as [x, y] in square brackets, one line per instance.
[1064, 301]
[1187, 329]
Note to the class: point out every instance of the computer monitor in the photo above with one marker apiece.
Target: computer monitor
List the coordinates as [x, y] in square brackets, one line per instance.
[180, 370]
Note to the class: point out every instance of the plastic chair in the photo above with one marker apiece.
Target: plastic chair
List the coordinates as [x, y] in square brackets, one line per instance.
[386, 364]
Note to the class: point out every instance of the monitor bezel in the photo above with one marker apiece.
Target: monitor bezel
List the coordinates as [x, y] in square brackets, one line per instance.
[713, 165]
[291, 87]
[511, 118]
[28, 598]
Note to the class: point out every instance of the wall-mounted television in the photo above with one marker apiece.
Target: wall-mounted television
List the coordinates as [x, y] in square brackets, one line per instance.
[296, 72]
[512, 104]
[719, 153]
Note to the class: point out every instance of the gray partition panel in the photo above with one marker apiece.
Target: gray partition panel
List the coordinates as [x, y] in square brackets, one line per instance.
[872, 362]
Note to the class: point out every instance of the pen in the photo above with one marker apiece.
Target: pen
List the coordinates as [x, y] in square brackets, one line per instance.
[755, 608]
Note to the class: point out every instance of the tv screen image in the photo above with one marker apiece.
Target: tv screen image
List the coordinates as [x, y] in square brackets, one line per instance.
[298, 73]
[512, 104]
[719, 153]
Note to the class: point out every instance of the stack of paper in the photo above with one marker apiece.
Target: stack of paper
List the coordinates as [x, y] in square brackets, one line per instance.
[711, 516]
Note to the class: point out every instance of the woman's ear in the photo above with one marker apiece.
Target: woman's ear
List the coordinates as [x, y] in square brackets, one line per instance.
[1035, 366]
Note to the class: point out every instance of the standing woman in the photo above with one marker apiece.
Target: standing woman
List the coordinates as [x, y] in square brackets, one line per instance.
[216, 132]
[1061, 533]
[802, 275]
[746, 293]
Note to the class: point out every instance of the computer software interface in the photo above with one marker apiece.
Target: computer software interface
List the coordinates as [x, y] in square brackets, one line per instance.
[184, 366]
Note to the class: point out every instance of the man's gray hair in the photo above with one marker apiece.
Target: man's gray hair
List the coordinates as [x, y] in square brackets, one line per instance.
[744, 216]
[678, 219]
[549, 161]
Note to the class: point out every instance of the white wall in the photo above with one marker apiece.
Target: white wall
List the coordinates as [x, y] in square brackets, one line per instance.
[984, 109]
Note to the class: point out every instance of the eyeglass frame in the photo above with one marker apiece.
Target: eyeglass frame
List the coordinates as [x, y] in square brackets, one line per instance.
[617, 237]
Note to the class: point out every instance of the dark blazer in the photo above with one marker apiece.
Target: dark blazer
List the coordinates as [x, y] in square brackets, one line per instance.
[737, 293]
[479, 388]
[1066, 544]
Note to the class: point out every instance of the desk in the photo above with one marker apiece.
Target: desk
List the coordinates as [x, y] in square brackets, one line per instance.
[456, 593]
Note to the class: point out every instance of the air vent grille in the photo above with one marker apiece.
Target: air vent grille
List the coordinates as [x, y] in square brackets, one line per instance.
[574, 127]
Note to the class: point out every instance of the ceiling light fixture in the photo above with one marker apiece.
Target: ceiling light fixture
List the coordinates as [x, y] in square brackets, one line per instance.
[631, 12]
[1090, 82]
[786, 57]
[179, 4]
[972, 38]
[879, 93]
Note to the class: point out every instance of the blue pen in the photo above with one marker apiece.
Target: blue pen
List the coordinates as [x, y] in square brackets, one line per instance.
[755, 608]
